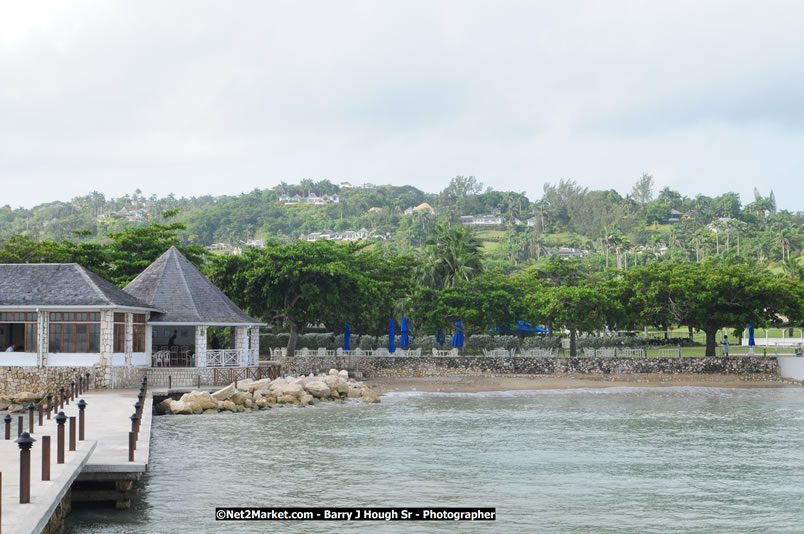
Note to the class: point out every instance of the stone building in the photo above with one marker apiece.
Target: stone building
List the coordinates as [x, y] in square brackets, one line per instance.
[63, 316]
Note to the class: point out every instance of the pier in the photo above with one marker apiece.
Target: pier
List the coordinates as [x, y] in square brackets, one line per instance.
[97, 469]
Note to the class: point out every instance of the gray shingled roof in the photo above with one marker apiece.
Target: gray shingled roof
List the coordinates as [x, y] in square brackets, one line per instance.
[173, 285]
[59, 284]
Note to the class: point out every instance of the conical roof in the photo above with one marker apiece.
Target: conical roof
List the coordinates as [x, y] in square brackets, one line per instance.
[173, 284]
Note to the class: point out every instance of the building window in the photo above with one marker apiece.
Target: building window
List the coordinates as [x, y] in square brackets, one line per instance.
[119, 332]
[22, 327]
[18, 317]
[139, 332]
[30, 337]
[74, 332]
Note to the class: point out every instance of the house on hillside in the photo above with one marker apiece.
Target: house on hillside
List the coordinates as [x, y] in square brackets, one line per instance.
[566, 252]
[256, 243]
[310, 200]
[329, 235]
[218, 247]
[482, 220]
[424, 206]
[129, 215]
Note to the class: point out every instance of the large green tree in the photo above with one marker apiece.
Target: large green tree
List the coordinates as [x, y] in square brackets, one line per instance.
[305, 283]
[483, 303]
[585, 307]
[711, 295]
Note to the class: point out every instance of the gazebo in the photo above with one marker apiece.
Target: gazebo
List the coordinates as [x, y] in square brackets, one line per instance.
[188, 304]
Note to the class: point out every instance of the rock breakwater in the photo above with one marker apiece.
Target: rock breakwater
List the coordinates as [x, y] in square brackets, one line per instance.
[248, 395]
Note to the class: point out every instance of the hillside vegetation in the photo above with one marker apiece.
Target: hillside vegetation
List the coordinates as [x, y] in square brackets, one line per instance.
[610, 229]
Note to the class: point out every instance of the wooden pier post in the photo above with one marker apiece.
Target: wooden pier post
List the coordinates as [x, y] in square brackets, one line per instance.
[134, 420]
[72, 433]
[25, 441]
[45, 457]
[31, 409]
[60, 420]
[81, 407]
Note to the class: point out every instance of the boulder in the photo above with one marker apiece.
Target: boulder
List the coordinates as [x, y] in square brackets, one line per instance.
[163, 407]
[203, 399]
[333, 372]
[25, 397]
[263, 384]
[343, 385]
[354, 392]
[244, 384]
[262, 403]
[180, 407]
[294, 390]
[370, 395]
[332, 381]
[305, 399]
[210, 411]
[229, 405]
[317, 388]
[15, 408]
[287, 399]
[225, 393]
[240, 398]
[343, 373]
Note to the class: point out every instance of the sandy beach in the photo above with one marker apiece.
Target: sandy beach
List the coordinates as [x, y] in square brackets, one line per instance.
[477, 384]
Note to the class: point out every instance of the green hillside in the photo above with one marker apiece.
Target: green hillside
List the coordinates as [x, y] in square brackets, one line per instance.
[601, 226]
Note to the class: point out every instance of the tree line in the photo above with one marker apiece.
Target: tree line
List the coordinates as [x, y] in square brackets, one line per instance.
[641, 227]
[299, 284]
[303, 283]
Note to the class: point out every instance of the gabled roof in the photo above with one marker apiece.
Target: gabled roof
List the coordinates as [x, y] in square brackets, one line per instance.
[59, 284]
[173, 285]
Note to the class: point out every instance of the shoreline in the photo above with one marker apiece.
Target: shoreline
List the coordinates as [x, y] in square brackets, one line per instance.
[493, 383]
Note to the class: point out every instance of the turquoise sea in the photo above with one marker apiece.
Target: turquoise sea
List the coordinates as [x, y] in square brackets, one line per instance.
[678, 459]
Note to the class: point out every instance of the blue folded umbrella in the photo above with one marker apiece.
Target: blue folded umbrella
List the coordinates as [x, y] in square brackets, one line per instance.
[347, 336]
[440, 337]
[403, 336]
[391, 334]
[457, 336]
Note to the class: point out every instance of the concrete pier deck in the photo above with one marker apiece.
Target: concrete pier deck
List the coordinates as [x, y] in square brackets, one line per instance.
[102, 456]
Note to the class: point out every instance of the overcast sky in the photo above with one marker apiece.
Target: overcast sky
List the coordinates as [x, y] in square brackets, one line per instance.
[196, 97]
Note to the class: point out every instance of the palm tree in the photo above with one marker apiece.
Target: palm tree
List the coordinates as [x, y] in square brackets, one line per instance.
[792, 269]
[451, 255]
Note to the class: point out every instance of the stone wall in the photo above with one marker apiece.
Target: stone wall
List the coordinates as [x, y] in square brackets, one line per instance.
[42, 379]
[755, 366]
[128, 377]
